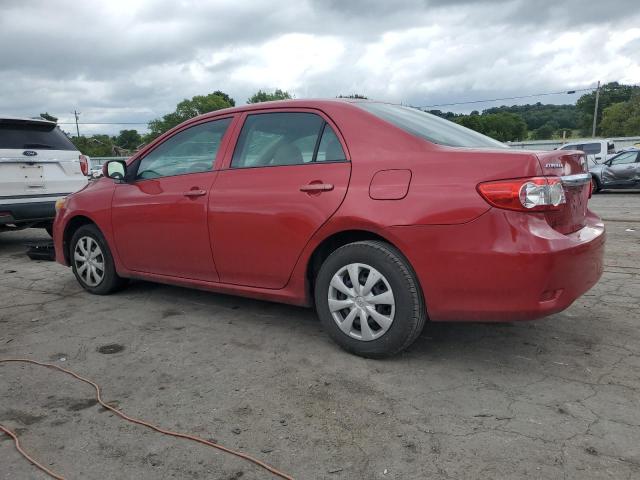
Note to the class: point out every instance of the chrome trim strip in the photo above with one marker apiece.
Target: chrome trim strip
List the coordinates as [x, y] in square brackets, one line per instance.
[576, 180]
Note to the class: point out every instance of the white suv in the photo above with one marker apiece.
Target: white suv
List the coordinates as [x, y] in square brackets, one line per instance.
[38, 165]
[597, 151]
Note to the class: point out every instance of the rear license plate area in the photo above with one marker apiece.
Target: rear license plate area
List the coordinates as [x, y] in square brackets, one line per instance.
[33, 175]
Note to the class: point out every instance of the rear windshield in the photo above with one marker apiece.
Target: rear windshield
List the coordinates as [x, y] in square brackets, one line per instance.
[33, 136]
[431, 128]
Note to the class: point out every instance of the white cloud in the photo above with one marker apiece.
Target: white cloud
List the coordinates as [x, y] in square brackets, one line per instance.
[134, 60]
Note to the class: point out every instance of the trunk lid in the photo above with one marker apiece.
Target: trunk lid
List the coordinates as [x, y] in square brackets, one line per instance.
[571, 167]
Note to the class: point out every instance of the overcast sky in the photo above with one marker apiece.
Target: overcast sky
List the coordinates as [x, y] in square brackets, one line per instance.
[134, 60]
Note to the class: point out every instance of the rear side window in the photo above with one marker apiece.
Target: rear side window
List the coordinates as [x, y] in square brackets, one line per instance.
[287, 138]
[33, 136]
[190, 151]
[329, 149]
[429, 127]
[591, 148]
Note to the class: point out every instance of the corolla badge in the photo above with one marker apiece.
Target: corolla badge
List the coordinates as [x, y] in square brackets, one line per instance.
[29, 153]
[553, 165]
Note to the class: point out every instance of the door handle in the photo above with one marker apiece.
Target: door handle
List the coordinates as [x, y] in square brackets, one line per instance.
[317, 187]
[195, 193]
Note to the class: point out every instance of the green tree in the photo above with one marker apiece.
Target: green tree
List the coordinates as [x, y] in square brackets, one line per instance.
[610, 93]
[187, 109]
[129, 139]
[94, 146]
[51, 118]
[354, 95]
[502, 126]
[546, 131]
[264, 96]
[622, 119]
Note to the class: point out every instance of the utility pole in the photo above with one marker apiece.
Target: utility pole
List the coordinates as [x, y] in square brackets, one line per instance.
[595, 111]
[77, 114]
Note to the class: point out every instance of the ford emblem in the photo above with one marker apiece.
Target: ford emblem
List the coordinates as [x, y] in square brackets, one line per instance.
[29, 153]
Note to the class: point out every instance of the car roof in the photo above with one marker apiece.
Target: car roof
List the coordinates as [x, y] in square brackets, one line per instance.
[5, 119]
[318, 103]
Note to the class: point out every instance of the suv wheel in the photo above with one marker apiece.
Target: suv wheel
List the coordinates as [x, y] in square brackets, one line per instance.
[368, 299]
[92, 262]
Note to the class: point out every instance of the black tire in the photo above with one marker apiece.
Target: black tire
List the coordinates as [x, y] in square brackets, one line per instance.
[49, 229]
[410, 313]
[595, 185]
[110, 281]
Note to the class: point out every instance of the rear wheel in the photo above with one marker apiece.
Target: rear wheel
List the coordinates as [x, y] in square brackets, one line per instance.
[595, 185]
[368, 299]
[92, 262]
[49, 229]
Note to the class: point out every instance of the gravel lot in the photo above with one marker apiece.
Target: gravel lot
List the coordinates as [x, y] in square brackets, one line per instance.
[556, 398]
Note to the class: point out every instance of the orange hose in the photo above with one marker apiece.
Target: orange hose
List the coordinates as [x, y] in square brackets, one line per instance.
[193, 438]
[27, 456]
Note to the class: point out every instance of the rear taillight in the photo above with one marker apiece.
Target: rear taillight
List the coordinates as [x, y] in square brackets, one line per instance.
[84, 165]
[525, 194]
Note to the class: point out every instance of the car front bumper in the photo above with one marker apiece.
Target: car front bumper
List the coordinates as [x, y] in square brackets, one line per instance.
[503, 266]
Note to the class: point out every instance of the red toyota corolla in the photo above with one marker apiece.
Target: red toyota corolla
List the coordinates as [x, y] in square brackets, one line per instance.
[382, 216]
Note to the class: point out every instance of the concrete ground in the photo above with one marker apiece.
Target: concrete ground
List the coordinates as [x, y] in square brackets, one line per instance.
[556, 398]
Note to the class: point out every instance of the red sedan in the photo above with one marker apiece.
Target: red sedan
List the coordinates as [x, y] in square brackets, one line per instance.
[382, 216]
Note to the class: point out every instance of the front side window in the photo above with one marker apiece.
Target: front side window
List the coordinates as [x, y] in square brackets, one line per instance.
[287, 138]
[429, 127]
[624, 158]
[572, 147]
[190, 151]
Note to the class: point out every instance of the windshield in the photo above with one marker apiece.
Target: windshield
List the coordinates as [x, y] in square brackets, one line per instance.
[35, 136]
[430, 127]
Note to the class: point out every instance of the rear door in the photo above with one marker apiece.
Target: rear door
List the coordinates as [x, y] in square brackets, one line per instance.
[288, 174]
[37, 162]
[621, 170]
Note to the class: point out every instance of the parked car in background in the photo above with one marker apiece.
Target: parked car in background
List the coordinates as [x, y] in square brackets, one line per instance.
[38, 165]
[620, 171]
[381, 216]
[597, 151]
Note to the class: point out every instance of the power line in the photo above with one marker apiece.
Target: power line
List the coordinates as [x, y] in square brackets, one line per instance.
[564, 92]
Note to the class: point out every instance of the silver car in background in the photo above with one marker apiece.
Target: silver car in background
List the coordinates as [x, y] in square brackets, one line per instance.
[619, 171]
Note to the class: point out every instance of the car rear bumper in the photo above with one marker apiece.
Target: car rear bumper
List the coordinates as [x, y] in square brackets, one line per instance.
[33, 212]
[503, 266]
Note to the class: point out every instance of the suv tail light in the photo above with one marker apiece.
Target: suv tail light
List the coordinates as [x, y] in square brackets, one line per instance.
[84, 165]
[525, 194]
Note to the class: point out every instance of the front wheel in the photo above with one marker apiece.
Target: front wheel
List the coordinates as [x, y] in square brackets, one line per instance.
[92, 262]
[595, 185]
[368, 299]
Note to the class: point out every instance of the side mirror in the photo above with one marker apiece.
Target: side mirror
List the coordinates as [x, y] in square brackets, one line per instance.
[115, 169]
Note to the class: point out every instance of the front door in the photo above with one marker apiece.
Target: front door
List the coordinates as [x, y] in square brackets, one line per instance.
[288, 175]
[621, 170]
[160, 217]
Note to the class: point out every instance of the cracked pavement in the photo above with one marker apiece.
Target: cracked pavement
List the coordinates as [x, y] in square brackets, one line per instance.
[553, 398]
